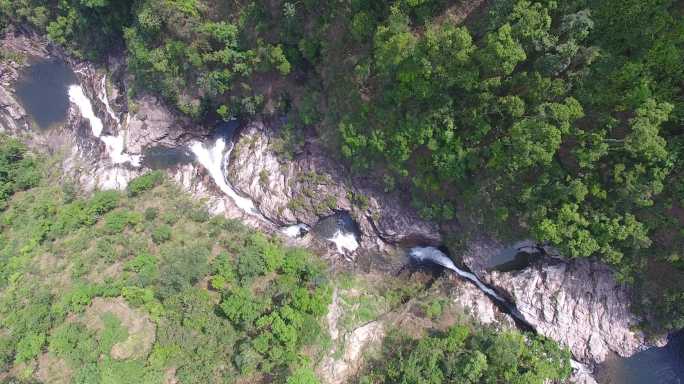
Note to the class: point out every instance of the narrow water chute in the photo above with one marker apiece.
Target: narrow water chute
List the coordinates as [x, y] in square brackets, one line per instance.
[215, 159]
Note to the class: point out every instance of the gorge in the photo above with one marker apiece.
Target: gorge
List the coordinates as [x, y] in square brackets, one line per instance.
[247, 181]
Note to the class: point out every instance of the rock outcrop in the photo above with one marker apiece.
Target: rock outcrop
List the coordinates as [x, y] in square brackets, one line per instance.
[475, 303]
[576, 303]
[312, 186]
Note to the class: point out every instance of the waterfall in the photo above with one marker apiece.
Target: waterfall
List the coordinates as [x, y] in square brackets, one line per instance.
[105, 100]
[436, 256]
[296, 230]
[113, 144]
[344, 241]
[79, 98]
[215, 159]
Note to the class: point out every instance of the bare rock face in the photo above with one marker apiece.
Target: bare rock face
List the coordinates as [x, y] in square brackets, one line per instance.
[475, 303]
[339, 370]
[394, 222]
[578, 304]
[312, 186]
[13, 118]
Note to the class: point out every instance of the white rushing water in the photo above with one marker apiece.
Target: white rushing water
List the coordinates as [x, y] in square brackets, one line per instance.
[438, 257]
[79, 98]
[113, 144]
[215, 159]
[105, 100]
[344, 241]
[296, 230]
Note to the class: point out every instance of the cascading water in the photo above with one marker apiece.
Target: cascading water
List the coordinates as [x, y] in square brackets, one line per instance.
[434, 255]
[215, 159]
[79, 98]
[113, 144]
[296, 230]
[344, 241]
[339, 229]
[105, 100]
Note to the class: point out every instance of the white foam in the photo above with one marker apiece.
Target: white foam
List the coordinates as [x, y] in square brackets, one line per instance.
[296, 230]
[214, 159]
[105, 100]
[79, 98]
[114, 144]
[438, 257]
[115, 148]
[344, 241]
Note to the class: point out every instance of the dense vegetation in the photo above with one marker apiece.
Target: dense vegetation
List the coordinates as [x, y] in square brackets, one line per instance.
[220, 301]
[464, 356]
[559, 117]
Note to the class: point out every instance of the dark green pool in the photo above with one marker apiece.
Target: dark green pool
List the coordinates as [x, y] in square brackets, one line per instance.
[42, 91]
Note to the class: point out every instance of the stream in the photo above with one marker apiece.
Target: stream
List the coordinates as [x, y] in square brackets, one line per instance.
[46, 88]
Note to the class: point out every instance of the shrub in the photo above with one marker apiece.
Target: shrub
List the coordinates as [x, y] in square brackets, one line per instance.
[117, 221]
[145, 182]
[29, 347]
[75, 343]
[181, 267]
[161, 234]
[18, 169]
[461, 355]
[151, 213]
[303, 376]
[199, 214]
[101, 203]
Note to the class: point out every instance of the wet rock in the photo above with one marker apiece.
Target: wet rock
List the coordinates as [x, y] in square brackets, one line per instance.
[482, 252]
[12, 116]
[152, 123]
[396, 223]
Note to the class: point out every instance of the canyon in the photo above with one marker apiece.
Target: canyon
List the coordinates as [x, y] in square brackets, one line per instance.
[103, 140]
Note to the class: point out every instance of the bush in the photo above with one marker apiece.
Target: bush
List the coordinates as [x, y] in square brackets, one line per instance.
[181, 267]
[145, 182]
[74, 343]
[101, 203]
[18, 170]
[461, 355]
[151, 213]
[117, 221]
[161, 234]
[29, 347]
[303, 376]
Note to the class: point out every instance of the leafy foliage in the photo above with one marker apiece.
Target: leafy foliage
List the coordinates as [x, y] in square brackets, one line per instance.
[59, 252]
[464, 356]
